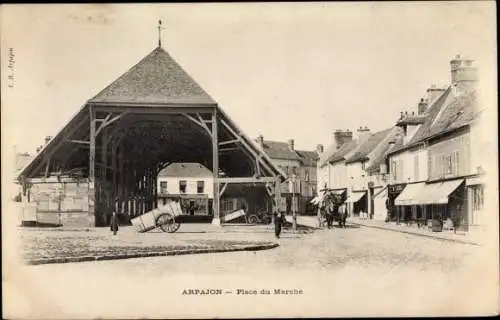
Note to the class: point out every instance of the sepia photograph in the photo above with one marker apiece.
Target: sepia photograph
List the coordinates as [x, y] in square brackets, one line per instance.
[249, 160]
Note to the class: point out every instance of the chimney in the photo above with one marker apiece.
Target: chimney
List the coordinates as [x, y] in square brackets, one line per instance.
[340, 137]
[47, 139]
[463, 73]
[260, 141]
[291, 144]
[363, 134]
[422, 106]
[434, 92]
[319, 148]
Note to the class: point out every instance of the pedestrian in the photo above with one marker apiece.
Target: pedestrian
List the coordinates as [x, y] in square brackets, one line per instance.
[114, 223]
[278, 222]
[342, 215]
[329, 216]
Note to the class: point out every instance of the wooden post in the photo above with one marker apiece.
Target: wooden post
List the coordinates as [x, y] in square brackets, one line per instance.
[104, 187]
[91, 195]
[215, 170]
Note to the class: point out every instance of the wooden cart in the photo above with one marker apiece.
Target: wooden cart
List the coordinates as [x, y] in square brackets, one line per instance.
[163, 217]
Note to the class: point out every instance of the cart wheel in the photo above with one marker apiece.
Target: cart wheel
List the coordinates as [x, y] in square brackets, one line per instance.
[267, 219]
[167, 223]
[253, 219]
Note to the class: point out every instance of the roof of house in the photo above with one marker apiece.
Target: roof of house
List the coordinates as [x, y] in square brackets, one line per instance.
[380, 157]
[342, 151]
[308, 158]
[186, 169]
[361, 153]
[461, 111]
[432, 112]
[280, 150]
[157, 78]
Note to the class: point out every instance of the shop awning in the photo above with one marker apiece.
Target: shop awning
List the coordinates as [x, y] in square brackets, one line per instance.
[437, 193]
[355, 196]
[408, 196]
[319, 198]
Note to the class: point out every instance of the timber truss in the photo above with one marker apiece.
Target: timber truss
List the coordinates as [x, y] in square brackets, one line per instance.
[121, 149]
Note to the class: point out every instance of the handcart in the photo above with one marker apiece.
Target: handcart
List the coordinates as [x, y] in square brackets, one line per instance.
[163, 217]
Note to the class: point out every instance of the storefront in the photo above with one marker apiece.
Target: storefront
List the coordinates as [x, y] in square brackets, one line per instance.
[393, 192]
[444, 201]
[356, 202]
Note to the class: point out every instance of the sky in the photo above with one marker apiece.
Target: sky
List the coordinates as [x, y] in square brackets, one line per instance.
[286, 71]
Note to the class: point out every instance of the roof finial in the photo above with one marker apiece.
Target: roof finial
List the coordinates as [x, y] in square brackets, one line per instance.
[160, 28]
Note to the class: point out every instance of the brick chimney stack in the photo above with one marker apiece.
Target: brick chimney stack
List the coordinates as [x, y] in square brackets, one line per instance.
[422, 106]
[340, 137]
[320, 149]
[434, 92]
[363, 134]
[291, 144]
[463, 73]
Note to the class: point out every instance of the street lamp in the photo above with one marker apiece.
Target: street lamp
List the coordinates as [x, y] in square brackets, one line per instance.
[293, 179]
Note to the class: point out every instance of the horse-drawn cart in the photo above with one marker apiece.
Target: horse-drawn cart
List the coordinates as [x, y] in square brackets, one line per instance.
[163, 217]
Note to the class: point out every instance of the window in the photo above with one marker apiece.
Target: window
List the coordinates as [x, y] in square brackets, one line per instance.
[456, 163]
[200, 188]
[448, 164]
[429, 166]
[163, 187]
[477, 198]
[227, 205]
[306, 175]
[182, 186]
[415, 168]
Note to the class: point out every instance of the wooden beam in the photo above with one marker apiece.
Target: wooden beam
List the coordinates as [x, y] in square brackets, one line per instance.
[215, 170]
[47, 168]
[203, 122]
[92, 192]
[228, 142]
[199, 123]
[248, 147]
[247, 180]
[79, 141]
[222, 190]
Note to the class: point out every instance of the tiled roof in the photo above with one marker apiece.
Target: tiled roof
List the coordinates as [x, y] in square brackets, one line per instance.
[430, 115]
[462, 110]
[308, 158]
[432, 112]
[362, 152]
[342, 151]
[381, 156]
[280, 150]
[157, 78]
[186, 169]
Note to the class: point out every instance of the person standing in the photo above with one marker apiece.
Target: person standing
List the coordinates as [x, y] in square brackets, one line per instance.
[114, 223]
[329, 215]
[278, 222]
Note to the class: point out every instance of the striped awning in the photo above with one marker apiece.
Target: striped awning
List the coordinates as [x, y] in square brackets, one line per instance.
[437, 193]
[355, 196]
[408, 196]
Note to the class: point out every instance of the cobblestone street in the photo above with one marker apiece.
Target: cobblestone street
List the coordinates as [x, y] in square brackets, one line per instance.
[352, 271]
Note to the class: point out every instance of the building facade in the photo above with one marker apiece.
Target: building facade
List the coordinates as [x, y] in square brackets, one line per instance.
[433, 173]
[301, 168]
[192, 183]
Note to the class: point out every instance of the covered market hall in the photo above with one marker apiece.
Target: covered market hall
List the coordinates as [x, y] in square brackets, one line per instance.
[108, 156]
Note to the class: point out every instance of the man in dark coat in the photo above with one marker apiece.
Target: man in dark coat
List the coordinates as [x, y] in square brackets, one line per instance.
[330, 210]
[114, 223]
[278, 221]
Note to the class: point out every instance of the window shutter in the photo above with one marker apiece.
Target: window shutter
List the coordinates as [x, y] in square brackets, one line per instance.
[457, 162]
